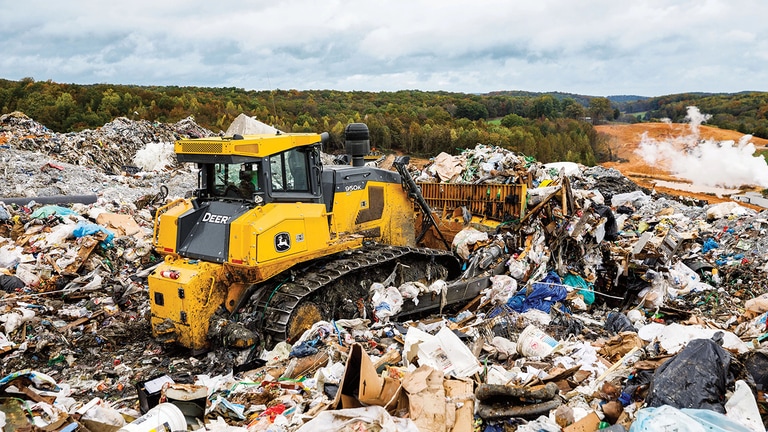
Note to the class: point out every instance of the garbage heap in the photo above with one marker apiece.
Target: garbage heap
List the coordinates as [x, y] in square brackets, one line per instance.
[618, 309]
[109, 149]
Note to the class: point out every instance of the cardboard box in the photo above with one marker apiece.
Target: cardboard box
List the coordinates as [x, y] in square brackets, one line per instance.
[362, 386]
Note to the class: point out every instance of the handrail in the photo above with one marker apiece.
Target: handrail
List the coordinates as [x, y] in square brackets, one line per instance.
[158, 213]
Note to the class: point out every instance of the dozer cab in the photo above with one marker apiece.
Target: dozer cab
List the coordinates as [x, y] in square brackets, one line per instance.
[273, 240]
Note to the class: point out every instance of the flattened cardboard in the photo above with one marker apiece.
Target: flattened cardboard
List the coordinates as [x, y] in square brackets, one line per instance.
[426, 399]
[460, 398]
[124, 224]
[588, 423]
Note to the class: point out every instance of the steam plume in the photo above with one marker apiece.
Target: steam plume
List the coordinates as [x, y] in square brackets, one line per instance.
[706, 162]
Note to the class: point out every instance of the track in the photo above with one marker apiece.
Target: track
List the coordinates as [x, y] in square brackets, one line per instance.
[337, 287]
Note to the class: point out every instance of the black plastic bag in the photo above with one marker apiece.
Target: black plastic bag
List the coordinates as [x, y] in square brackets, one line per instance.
[611, 227]
[697, 377]
[617, 322]
[10, 283]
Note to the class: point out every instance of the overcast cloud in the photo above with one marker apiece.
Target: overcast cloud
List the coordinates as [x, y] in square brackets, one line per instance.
[593, 47]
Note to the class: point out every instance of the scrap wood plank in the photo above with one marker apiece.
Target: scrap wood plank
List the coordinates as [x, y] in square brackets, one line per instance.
[5, 349]
[391, 357]
[640, 244]
[80, 321]
[473, 304]
[86, 248]
[36, 396]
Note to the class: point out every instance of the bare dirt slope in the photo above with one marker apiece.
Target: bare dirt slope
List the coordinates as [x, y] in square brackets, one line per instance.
[624, 140]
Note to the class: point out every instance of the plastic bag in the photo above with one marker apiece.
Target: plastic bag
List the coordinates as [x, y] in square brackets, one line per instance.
[516, 268]
[502, 288]
[410, 290]
[45, 211]
[10, 283]
[387, 301]
[83, 229]
[742, 407]
[464, 241]
[697, 377]
[543, 295]
[617, 322]
[758, 304]
[667, 418]
[583, 288]
[636, 198]
[10, 256]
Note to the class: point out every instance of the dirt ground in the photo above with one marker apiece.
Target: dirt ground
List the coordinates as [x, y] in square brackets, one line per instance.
[625, 138]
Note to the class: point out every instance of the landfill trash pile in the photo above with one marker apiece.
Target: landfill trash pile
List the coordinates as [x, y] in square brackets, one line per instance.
[40, 163]
[109, 149]
[619, 309]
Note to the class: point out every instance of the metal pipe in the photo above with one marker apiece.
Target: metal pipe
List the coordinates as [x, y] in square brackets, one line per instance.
[54, 199]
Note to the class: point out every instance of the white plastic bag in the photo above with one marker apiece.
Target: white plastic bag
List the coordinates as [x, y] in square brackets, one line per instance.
[667, 418]
[742, 407]
[387, 301]
[465, 239]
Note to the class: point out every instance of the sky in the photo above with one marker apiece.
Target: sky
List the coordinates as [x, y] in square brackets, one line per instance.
[592, 47]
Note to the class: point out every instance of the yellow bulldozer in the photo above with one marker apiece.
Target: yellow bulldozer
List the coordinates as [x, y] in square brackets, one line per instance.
[273, 240]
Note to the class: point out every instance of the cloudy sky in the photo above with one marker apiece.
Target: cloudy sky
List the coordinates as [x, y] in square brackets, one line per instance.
[592, 47]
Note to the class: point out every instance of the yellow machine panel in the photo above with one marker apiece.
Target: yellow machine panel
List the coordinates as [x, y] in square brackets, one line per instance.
[165, 239]
[183, 295]
[381, 211]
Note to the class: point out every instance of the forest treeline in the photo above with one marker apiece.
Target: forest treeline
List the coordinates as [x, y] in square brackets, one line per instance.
[547, 126]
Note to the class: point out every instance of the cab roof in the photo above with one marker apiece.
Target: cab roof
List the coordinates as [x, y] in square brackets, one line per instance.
[249, 146]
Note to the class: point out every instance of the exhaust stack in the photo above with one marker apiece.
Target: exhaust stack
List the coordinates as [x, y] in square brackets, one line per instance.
[357, 142]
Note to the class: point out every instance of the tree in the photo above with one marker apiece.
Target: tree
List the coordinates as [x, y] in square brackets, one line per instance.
[65, 109]
[544, 107]
[110, 104]
[471, 110]
[573, 109]
[600, 109]
[512, 120]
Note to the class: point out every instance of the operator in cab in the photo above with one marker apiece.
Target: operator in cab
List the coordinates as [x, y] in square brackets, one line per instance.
[248, 183]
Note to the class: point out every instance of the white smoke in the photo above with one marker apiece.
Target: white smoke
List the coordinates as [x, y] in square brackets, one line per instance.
[709, 163]
[695, 119]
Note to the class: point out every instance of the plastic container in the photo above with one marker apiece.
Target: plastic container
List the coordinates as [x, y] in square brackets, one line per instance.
[165, 417]
[533, 342]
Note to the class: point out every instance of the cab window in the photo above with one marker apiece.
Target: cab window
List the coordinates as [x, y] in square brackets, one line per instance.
[235, 180]
[289, 171]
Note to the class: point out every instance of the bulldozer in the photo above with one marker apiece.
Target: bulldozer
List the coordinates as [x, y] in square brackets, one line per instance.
[273, 240]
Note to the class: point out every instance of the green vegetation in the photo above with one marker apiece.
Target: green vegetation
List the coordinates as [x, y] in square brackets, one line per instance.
[547, 126]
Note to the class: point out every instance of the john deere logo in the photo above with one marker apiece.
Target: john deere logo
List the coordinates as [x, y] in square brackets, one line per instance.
[282, 242]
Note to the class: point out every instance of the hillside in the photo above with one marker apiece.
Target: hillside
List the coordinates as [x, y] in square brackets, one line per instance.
[625, 140]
